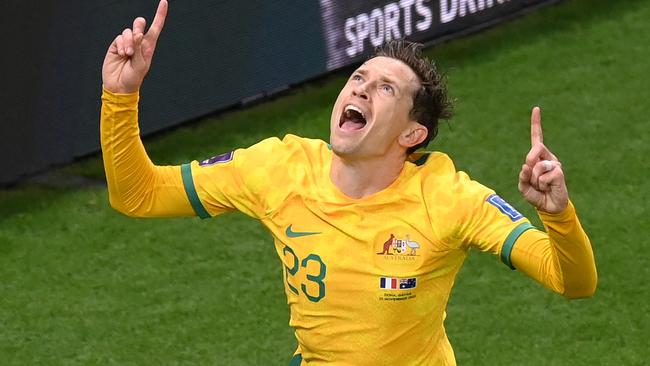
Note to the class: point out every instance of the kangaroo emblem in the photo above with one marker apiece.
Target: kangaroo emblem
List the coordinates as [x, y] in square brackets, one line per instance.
[387, 245]
[400, 246]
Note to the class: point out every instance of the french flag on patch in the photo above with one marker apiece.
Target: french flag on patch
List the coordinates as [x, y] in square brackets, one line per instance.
[391, 283]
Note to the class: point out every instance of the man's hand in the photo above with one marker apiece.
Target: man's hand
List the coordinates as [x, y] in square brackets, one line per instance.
[541, 179]
[129, 56]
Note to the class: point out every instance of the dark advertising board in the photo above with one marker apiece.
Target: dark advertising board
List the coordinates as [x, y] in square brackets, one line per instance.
[353, 28]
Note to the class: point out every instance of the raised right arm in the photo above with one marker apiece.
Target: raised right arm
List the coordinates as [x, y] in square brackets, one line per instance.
[136, 186]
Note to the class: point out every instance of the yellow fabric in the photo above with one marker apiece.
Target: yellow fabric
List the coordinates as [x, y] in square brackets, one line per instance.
[136, 187]
[336, 250]
[561, 260]
[285, 183]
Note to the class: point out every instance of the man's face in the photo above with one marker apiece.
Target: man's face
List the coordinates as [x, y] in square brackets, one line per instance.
[373, 109]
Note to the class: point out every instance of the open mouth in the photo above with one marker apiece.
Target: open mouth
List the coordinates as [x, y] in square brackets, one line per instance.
[352, 119]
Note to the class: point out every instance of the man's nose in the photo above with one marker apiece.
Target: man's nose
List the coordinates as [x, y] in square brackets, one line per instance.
[361, 91]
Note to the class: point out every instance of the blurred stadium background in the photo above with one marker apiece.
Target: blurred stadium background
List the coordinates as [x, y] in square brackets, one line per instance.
[82, 285]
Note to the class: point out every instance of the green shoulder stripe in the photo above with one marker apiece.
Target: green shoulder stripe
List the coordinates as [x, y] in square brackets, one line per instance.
[510, 242]
[296, 360]
[188, 183]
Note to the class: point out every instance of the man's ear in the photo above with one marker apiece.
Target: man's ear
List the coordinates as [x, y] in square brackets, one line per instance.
[414, 134]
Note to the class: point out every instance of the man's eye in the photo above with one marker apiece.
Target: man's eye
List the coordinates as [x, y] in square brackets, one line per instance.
[388, 89]
[357, 77]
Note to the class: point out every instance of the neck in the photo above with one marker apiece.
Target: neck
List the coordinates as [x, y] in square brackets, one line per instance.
[359, 178]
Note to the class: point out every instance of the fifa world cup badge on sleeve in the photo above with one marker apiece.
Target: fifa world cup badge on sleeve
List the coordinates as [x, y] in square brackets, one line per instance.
[504, 207]
[223, 158]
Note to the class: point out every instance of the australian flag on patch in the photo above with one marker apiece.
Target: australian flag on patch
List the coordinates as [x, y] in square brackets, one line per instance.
[389, 283]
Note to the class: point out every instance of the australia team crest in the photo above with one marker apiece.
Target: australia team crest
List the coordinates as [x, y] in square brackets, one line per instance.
[397, 256]
[402, 247]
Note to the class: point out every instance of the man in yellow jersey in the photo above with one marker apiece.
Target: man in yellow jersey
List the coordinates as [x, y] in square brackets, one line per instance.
[370, 241]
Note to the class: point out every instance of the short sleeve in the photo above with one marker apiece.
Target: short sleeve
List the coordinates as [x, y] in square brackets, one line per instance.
[487, 222]
[235, 180]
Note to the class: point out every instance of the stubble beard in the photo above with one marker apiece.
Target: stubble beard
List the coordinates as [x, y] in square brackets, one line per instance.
[343, 150]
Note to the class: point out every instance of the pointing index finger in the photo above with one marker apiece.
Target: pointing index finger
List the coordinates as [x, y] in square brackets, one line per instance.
[536, 136]
[158, 20]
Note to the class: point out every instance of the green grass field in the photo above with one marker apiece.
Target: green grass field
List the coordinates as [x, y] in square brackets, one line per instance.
[82, 285]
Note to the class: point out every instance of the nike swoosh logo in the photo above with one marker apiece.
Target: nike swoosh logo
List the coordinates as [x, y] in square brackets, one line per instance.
[296, 234]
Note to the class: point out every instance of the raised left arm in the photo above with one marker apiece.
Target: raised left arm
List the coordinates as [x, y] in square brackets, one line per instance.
[562, 258]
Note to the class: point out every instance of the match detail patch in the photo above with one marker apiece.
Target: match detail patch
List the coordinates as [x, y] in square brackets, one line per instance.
[223, 158]
[504, 207]
[389, 283]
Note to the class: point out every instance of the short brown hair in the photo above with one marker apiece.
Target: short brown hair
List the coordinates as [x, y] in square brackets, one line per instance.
[431, 102]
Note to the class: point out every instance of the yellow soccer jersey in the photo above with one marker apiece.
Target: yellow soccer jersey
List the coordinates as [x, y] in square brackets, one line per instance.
[367, 280]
